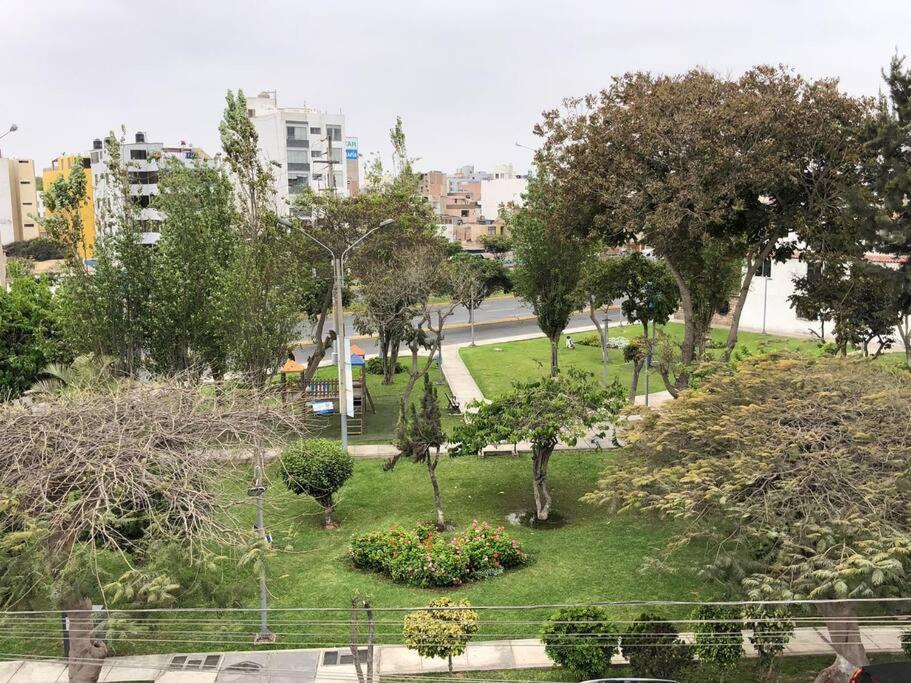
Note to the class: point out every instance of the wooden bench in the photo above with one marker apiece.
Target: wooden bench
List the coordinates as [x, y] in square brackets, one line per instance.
[454, 406]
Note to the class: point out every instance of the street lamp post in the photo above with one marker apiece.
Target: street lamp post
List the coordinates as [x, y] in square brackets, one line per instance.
[338, 276]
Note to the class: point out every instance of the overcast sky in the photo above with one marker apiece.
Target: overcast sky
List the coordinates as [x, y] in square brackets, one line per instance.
[468, 77]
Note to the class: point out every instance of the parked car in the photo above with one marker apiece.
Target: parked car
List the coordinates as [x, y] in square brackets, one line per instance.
[894, 672]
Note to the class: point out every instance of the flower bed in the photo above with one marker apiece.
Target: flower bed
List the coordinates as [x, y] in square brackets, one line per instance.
[422, 557]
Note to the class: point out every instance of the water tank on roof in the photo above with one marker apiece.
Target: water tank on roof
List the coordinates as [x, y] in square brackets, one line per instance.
[140, 137]
[96, 143]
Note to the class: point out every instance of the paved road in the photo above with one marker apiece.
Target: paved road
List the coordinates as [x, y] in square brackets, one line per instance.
[501, 317]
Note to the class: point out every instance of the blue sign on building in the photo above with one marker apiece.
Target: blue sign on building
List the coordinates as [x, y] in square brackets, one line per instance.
[351, 154]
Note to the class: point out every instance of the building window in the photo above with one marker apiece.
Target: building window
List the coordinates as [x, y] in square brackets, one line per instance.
[316, 130]
[334, 133]
[298, 183]
[29, 225]
[251, 113]
[316, 153]
[143, 177]
[491, 229]
[317, 177]
[764, 269]
[297, 135]
[139, 154]
[339, 181]
[298, 160]
[336, 154]
[464, 213]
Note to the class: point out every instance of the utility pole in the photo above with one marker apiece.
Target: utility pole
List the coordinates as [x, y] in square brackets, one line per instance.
[329, 162]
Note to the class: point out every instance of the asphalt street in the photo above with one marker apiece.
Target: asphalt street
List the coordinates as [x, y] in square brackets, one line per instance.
[499, 317]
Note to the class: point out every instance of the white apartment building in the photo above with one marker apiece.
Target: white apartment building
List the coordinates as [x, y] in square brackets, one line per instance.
[308, 146]
[143, 160]
[498, 192]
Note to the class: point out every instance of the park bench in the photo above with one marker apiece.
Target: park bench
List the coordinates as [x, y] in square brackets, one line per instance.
[454, 406]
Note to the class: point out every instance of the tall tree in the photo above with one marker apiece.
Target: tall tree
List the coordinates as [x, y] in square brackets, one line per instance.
[545, 412]
[889, 139]
[198, 238]
[713, 174]
[793, 470]
[549, 259]
[419, 437]
[261, 299]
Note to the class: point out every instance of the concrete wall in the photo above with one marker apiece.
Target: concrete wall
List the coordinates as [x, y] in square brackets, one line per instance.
[18, 200]
[498, 192]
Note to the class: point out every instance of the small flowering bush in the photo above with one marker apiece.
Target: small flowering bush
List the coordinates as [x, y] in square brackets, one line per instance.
[422, 557]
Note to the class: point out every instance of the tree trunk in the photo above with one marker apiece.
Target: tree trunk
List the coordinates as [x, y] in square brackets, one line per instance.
[393, 360]
[450, 663]
[471, 323]
[844, 637]
[539, 466]
[634, 385]
[432, 463]
[744, 291]
[371, 637]
[87, 653]
[554, 348]
[321, 344]
[688, 346]
[328, 506]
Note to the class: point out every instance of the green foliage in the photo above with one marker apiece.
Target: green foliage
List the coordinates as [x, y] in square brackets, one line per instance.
[580, 639]
[443, 629]
[421, 430]
[374, 366]
[718, 638]
[31, 334]
[38, 249]
[198, 239]
[421, 557]
[654, 649]
[772, 629]
[62, 220]
[498, 245]
[316, 467]
[800, 465]
[473, 279]
[863, 301]
[549, 260]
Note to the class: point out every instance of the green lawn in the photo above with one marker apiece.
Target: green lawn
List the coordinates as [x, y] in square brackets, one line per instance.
[495, 366]
[594, 556]
[381, 425]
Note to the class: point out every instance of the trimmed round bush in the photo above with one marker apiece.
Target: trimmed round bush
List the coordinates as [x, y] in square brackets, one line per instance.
[654, 649]
[318, 468]
[906, 642]
[718, 637]
[581, 639]
[441, 630]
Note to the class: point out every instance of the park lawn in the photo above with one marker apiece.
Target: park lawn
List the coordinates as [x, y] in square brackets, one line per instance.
[381, 425]
[496, 366]
[595, 556]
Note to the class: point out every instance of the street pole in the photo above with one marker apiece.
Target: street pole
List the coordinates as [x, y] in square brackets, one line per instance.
[338, 266]
[265, 636]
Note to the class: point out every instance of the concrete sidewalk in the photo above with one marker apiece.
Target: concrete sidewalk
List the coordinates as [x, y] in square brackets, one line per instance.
[314, 665]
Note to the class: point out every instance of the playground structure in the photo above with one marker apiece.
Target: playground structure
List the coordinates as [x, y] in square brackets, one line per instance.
[316, 393]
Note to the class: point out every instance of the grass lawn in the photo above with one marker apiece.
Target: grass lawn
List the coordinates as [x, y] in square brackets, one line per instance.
[495, 366]
[381, 425]
[594, 556]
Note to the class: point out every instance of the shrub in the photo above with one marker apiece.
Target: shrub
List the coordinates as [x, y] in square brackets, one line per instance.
[38, 249]
[595, 340]
[319, 468]
[653, 648]
[906, 642]
[421, 557]
[374, 366]
[435, 632]
[581, 640]
[772, 629]
[718, 638]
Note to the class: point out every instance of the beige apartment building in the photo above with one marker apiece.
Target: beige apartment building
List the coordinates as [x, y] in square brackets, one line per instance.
[18, 200]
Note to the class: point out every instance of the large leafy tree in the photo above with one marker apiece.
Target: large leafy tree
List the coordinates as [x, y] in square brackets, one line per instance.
[198, 239]
[794, 472]
[544, 412]
[31, 335]
[713, 174]
[549, 259]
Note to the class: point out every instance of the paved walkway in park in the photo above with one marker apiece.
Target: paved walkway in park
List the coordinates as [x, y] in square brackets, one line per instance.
[311, 666]
[463, 387]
